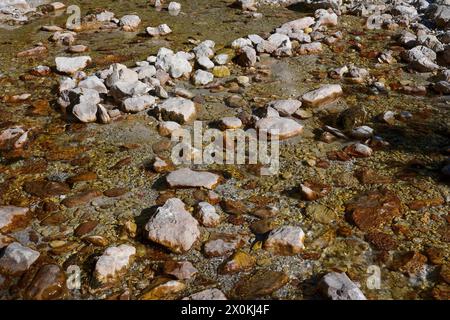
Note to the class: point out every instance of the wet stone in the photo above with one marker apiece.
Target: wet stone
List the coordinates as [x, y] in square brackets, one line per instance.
[222, 244]
[324, 95]
[43, 189]
[163, 288]
[338, 286]
[261, 283]
[17, 259]
[173, 227]
[49, 283]
[179, 110]
[208, 294]
[182, 270]
[113, 262]
[372, 210]
[11, 216]
[287, 240]
[283, 128]
[381, 241]
[238, 262]
[81, 198]
[187, 178]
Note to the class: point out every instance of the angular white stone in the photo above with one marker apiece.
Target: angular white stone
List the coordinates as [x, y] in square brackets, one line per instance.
[72, 65]
[202, 77]
[138, 104]
[177, 109]
[338, 286]
[17, 258]
[287, 240]
[324, 95]
[286, 107]
[188, 178]
[130, 22]
[207, 215]
[173, 227]
[284, 128]
[113, 262]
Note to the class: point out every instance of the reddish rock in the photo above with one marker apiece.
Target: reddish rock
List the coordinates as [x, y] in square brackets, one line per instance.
[411, 262]
[81, 198]
[260, 284]
[49, 283]
[43, 189]
[372, 210]
[381, 241]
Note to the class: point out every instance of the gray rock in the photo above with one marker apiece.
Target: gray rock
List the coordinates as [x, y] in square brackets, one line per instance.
[421, 59]
[221, 59]
[205, 63]
[338, 286]
[175, 64]
[173, 227]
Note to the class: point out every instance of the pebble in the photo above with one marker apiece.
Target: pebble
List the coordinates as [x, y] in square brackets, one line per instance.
[130, 22]
[325, 95]
[287, 240]
[166, 128]
[286, 107]
[178, 109]
[49, 283]
[208, 294]
[283, 128]
[221, 72]
[16, 259]
[202, 78]
[207, 215]
[221, 59]
[173, 227]
[182, 270]
[338, 286]
[247, 56]
[113, 263]
[72, 65]
[163, 288]
[230, 123]
[187, 178]
[11, 216]
[161, 30]
[220, 245]
[240, 261]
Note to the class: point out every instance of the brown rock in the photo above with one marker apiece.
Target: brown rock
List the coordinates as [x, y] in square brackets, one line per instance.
[435, 255]
[369, 176]
[162, 288]
[419, 204]
[81, 198]
[261, 283]
[381, 241]
[372, 210]
[85, 176]
[43, 189]
[115, 192]
[85, 228]
[238, 262]
[49, 283]
[263, 226]
[441, 292]
[235, 207]
[445, 273]
[312, 190]
[411, 262]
